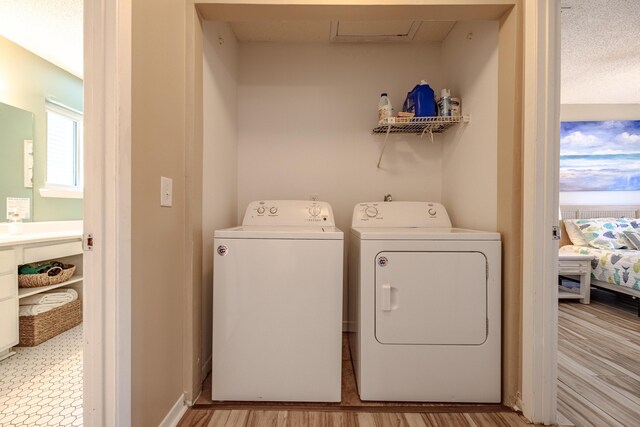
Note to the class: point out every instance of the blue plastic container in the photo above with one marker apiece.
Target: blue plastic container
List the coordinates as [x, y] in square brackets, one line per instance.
[421, 101]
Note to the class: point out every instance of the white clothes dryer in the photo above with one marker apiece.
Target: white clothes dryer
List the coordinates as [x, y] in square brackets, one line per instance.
[277, 305]
[424, 300]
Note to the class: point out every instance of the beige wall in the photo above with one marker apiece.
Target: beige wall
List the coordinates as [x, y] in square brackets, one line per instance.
[220, 157]
[509, 202]
[306, 114]
[158, 234]
[585, 112]
[470, 154]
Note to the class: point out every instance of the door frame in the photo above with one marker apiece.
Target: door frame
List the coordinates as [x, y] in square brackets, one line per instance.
[540, 210]
[107, 345]
[107, 213]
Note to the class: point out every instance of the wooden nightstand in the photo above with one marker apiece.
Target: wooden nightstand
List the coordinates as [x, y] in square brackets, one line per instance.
[575, 266]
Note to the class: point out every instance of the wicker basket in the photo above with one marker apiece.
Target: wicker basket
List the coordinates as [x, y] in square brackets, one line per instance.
[37, 280]
[37, 329]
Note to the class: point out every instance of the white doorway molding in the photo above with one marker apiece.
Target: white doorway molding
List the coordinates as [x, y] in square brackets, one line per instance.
[107, 213]
[540, 209]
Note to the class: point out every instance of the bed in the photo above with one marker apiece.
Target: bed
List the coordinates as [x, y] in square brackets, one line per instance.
[616, 270]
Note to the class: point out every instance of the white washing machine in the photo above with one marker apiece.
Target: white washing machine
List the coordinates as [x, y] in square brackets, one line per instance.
[277, 305]
[425, 306]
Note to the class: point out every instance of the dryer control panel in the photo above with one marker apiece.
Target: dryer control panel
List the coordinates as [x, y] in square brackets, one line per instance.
[289, 213]
[400, 214]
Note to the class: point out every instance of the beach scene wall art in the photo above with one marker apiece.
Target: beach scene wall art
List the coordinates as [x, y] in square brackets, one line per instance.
[600, 156]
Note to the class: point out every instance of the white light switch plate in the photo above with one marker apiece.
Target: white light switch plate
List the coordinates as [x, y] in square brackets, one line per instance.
[166, 191]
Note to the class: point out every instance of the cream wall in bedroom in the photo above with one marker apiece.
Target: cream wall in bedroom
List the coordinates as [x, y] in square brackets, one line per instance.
[586, 112]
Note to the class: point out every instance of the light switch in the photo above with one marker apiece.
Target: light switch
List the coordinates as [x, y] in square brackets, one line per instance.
[166, 191]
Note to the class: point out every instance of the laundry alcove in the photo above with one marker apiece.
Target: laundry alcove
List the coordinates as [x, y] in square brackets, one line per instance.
[288, 113]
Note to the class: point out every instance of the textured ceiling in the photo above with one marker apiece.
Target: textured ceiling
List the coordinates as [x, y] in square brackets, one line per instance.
[52, 29]
[600, 52]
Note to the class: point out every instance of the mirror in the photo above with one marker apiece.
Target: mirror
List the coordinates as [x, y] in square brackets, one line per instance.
[16, 127]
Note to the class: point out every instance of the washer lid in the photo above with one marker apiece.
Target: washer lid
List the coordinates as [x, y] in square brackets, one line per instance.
[280, 232]
[422, 233]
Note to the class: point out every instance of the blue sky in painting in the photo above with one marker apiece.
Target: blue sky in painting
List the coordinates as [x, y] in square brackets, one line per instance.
[600, 156]
[608, 137]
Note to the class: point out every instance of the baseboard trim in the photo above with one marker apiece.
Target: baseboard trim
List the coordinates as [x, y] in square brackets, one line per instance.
[400, 407]
[175, 414]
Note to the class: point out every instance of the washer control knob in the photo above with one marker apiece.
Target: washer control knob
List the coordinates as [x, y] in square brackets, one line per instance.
[432, 212]
[371, 211]
[315, 210]
[273, 210]
[261, 210]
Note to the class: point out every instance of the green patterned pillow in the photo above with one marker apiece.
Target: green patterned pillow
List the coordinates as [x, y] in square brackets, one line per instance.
[574, 233]
[604, 233]
[634, 237]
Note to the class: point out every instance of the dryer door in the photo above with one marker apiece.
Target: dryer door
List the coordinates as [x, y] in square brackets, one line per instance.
[431, 298]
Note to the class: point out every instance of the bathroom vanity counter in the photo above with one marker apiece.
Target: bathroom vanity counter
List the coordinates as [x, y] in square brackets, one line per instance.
[21, 239]
[39, 232]
[39, 242]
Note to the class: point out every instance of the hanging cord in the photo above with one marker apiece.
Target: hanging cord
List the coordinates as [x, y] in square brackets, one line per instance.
[430, 129]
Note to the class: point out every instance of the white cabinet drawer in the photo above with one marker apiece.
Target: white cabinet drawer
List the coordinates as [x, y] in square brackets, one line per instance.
[7, 261]
[8, 323]
[571, 271]
[569, 264]
[43, 253]
[574, 267]
[8, 286]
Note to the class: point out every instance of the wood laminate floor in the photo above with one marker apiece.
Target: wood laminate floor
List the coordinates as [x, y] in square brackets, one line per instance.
[351, 412]
[598, 365]
[598, 384]
[251, 418]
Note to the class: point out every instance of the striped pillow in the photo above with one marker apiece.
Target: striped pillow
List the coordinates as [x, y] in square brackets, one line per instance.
[633, 236]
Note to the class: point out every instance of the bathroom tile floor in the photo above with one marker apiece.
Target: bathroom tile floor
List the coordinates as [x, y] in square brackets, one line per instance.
[42, 385]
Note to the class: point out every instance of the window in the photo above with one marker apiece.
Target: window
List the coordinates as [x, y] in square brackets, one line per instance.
[64, 153]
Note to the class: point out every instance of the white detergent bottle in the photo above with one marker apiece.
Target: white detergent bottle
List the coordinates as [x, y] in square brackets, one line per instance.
[385, 110]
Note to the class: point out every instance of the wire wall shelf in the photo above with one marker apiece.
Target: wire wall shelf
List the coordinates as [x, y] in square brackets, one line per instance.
[419, 125]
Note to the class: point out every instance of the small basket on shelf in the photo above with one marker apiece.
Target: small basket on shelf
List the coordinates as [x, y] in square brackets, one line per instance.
[55, 275]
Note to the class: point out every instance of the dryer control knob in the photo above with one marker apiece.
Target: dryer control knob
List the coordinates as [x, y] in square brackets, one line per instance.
[371, 211]
[315, 210]
[432, 212]
[261, 210]
[273, 210]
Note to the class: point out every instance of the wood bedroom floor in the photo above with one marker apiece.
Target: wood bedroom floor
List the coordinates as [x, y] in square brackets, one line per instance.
[598, 364]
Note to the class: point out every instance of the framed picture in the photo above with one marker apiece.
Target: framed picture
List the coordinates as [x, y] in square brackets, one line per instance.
[600, 155]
